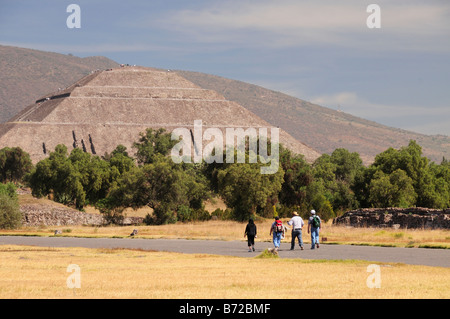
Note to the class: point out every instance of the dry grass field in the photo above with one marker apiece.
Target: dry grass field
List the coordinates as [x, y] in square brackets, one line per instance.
[39, 272]
[33, 272]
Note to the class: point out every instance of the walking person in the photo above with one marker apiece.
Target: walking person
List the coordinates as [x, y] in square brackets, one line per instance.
[250, 232]
[297, 224]
[277, 230]
[314, 224]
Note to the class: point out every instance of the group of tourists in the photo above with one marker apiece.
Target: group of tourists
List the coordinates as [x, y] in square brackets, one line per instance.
[278, 230]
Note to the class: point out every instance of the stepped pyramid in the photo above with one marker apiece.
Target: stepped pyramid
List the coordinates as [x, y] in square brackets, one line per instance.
[111, 107]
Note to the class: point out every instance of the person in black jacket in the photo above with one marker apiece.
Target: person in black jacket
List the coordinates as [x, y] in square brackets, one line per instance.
[250, 232]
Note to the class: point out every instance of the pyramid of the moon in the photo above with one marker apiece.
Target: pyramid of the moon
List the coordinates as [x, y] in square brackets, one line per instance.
[111, 107]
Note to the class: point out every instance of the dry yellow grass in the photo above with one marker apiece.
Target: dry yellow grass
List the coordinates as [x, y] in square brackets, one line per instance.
[439, 238]
[33, 272]
[26, 199]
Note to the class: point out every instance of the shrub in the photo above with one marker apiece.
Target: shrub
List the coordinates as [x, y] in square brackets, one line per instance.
[164, 214]
[111, 214]
[9, 189]
[10, 214]
[200, 214]
[267, 254]
[184, 214]
[149, 220]
[14, 164]
[398, 235]
[221, 214]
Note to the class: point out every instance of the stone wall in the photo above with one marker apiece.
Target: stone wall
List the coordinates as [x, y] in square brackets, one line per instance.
[41, 215]
[416, 217]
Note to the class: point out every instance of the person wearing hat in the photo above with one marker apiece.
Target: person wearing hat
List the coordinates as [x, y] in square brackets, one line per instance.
[314, 224]
[297, 224]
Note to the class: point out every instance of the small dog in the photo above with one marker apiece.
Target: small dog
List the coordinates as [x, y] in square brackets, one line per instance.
[58, 232]
[273, 251]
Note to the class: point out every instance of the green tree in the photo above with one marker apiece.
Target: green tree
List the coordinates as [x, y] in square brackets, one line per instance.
[430, 191]
[197, 184]
[57, 175]
[120, 160]
[316, 200]
[347, 164]
[244, 188]
[337, 172]
[151, 143]
[380, 190]
[297, 177]
[441, 175]
[95, 174]
[14, 164]
[394, 190]
[161, 185]
[10, 214]
[80, 178]
[10, 190]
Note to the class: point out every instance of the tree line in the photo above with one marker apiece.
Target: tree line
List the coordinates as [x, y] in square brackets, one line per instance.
[334, 183]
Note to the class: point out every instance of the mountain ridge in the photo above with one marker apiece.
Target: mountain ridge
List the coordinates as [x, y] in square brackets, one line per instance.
[319, 127]
[28, 75]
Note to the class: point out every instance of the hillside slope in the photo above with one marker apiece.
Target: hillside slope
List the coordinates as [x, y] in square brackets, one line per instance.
[26, 75]
[319, 127]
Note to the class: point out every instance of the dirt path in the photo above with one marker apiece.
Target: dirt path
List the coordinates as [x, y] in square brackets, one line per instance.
[413, 256]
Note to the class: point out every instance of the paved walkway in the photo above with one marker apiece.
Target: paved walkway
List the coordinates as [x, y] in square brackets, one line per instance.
[413, 256]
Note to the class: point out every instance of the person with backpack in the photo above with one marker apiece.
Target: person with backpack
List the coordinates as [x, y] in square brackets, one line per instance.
[250, 232]
[277, 229]
[314, 224]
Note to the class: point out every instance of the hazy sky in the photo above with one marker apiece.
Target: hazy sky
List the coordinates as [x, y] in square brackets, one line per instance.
[319, 50]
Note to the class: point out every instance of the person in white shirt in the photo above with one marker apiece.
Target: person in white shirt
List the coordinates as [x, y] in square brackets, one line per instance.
[297, 224]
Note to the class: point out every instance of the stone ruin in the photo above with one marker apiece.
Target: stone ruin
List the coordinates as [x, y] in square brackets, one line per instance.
[416, 217]
[114, 106]
[42, 216]
[37, 215]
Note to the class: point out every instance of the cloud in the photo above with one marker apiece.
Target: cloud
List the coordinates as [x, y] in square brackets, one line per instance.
[350, 102]
[436, 127]
[422, 119]
[294, 23]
